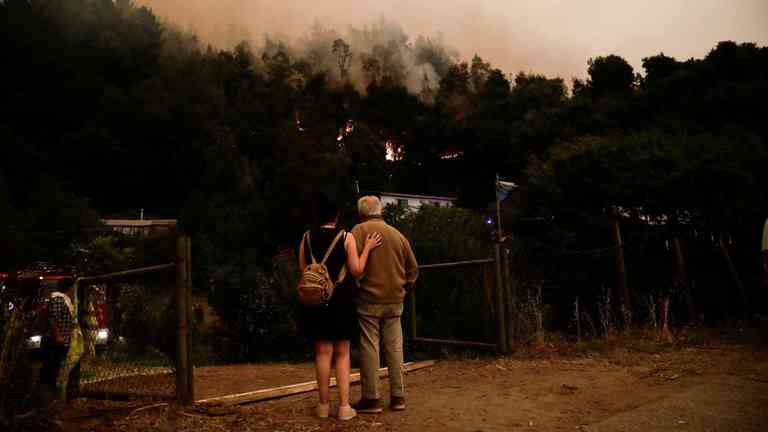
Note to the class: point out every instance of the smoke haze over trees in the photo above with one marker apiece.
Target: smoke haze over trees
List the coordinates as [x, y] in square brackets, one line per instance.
[551, 37]
[107, 109]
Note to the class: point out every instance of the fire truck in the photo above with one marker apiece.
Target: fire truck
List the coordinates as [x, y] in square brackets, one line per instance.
[36, 283]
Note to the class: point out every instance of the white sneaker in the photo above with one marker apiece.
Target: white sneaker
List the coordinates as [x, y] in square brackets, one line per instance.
[346, 412]
[323, 409]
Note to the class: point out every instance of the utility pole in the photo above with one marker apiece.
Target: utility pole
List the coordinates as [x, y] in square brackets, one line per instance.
[504, 306]
[621, 271]
[498, 208]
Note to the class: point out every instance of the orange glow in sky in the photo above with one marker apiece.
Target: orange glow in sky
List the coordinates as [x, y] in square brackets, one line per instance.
[554, 37]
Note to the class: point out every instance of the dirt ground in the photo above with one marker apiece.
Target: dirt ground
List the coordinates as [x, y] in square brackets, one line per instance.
[224, 380]
[544, 389]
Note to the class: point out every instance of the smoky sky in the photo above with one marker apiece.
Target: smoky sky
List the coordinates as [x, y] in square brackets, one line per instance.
[552, 37]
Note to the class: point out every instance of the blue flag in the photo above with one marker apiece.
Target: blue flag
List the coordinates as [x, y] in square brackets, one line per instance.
[503, 188]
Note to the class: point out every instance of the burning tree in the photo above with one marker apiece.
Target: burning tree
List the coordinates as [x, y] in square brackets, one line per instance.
[343, 57]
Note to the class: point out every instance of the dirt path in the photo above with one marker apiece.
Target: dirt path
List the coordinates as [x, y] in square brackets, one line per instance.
[616, 391]
[723, 404]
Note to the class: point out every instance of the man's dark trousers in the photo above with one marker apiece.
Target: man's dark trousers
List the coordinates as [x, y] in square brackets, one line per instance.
[54, 356]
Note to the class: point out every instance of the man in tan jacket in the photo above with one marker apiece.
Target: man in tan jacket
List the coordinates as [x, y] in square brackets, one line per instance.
[390, 273]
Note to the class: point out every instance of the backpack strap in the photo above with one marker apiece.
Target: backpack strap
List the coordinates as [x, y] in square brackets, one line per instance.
[343, 271]
[309, 245]
[330, 248]
[342, 274]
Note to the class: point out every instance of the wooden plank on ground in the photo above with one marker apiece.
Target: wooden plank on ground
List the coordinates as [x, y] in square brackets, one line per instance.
[288, 390]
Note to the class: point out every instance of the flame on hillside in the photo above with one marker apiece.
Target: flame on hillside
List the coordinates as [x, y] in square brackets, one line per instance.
[451, 154]
[393, 152]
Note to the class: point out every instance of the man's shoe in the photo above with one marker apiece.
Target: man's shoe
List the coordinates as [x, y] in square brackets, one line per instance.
[397, 403]
[346, 413]
[368, 406]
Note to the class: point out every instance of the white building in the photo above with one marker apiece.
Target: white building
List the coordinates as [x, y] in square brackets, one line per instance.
[141, 227]
[413, 202]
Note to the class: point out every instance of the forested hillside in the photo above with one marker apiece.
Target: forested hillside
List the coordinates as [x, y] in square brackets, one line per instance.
[104, 109]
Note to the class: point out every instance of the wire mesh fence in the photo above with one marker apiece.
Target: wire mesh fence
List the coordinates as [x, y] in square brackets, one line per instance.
[453, 303]
[127, 335]
[129, 332]
[143, 352]
[688, 275]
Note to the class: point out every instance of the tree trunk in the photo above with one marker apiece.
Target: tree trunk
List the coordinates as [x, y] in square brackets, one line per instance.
[577, 315]
[665, 333]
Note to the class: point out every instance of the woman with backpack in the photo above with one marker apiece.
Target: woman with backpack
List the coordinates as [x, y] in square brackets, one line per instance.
[330, 321]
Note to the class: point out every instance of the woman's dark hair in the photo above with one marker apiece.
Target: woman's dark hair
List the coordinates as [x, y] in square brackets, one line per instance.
[327, 209]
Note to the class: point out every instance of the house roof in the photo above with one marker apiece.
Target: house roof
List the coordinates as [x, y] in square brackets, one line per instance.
[414, 196]
[140, 222]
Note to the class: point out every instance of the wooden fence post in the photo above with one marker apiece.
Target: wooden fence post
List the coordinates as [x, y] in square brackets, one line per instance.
[681, 277]
[510, 300]
[621, 270]
[500, 307]
[488, 305]
[188, 289]
[182, 335]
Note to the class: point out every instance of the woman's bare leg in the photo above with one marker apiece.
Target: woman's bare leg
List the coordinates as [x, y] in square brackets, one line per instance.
[323, 354]
[341, 359]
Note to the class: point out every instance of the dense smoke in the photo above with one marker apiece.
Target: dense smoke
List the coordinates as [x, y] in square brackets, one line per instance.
[372, 52]
[551, 37]
[380, 51]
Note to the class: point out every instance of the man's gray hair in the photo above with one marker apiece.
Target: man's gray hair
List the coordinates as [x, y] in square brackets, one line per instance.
[369, 206]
